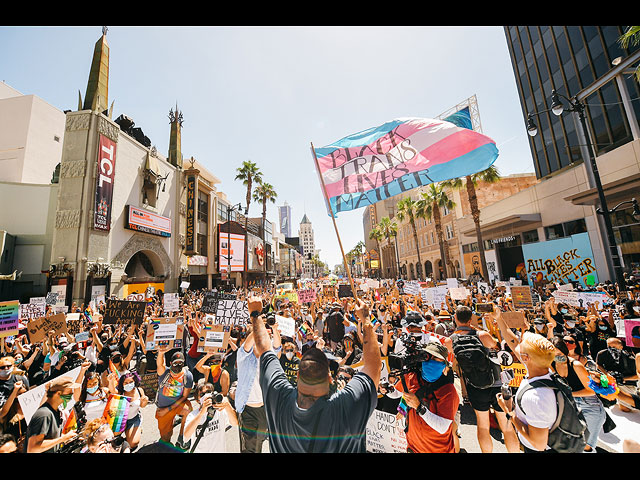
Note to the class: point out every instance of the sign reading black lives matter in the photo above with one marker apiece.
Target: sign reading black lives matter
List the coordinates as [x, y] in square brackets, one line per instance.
[124, 311]
[232, 312]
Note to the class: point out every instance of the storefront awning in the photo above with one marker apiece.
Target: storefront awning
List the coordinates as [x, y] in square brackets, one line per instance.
[620, 190]
[510, 224]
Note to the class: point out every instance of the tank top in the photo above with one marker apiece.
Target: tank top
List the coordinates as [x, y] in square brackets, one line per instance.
[572, 377]
[94, 406]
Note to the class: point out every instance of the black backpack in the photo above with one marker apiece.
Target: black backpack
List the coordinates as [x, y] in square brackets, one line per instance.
[474, 360]
[569, 432]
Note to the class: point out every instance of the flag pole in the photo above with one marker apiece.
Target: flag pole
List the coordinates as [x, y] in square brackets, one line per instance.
[335, 226]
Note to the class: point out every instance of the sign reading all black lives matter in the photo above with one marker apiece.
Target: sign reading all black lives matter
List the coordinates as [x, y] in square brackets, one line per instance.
[124, 311]
[232, 312]
[211, 298]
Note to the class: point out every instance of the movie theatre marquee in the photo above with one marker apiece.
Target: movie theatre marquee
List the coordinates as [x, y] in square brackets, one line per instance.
[147, 222]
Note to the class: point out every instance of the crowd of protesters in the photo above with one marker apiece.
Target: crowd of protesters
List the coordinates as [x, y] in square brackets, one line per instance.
[316, 390]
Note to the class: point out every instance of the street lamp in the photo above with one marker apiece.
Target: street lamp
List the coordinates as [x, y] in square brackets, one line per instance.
[576, 106]
[234, 208]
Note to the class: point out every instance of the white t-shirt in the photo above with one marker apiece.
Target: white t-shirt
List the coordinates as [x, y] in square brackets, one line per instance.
[539, 405]
[213, 439]
[255, 395]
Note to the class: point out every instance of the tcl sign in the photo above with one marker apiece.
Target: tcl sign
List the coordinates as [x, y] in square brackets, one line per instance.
[104, 183]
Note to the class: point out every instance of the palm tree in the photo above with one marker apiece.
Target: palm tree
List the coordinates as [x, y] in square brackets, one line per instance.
[357, 251]
[390, 229]
[470, 182]
[264, 193]
[631, 37]
[248, 173]
[407, 208]
[429, 207]
[377, 235]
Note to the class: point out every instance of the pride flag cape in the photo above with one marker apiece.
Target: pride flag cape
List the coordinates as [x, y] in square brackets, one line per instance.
[369, 166]
[116, 413]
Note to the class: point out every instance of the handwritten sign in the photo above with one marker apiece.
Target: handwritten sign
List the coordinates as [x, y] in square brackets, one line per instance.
[136, 297]
[149, 383]
[519, 371]
[9, 318]
[459, 293]
[287, 326]
[306, 296]
[514, 319]
[171, 302]
[30, 310]
[232, 312]
[385, 433]
[521, 297]
[123, 311]
[32, 399]
[37, 329]
[412, 288]
[344, 290]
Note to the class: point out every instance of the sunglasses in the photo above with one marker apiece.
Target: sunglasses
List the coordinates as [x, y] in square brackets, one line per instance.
[5, 367]
[570, 342]
[178, 364]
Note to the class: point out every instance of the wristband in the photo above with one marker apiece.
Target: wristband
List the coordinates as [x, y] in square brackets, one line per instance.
[421, 410]
[255, 314]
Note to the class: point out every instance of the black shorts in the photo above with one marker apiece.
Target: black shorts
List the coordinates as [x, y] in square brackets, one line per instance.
[482, 399]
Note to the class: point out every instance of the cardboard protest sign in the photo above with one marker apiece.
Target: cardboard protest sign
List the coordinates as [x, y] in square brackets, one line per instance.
[165, 331]
[287, 326]
[412, 288]
[123, 311]
[232, 312]
[37, 329]
[519, 371]
[306, 296]
[171, 302]
[521, 297]
[459, 293]
[632, 332]
[213, 339]
[344, 290]
[149, 383]
[136, 297]
[9, 318]
[452, 283]
[385, 433]
[514, 319]
[32, 399]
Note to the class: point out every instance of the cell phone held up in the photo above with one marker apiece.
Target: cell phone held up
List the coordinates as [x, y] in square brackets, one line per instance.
[505, 377]
[484, 307]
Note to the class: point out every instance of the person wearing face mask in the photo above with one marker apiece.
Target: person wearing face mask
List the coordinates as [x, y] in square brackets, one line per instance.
[433, 402]
[290, 362]
[577, 377]
[11, 385]
[209, 420]
[212, 371]
[44, 434]
[93, 397]
[598, 330]
[623, 365]
[129, 386]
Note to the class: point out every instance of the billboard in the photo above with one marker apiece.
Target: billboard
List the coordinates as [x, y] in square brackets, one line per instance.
[147, 222]
[191, 214]
[561, 260]
[231, 252]
[104, 183]
[285, 220]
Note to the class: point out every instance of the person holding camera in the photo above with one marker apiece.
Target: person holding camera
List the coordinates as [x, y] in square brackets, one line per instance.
[307, 418]
[432, 400]
[205, 426]
[100, 438]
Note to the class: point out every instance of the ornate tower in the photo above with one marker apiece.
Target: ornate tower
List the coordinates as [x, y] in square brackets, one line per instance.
[97, 95]
[175, 153]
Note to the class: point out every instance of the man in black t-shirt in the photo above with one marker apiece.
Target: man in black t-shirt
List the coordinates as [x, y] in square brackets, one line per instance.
[44, 434]
[335, 325]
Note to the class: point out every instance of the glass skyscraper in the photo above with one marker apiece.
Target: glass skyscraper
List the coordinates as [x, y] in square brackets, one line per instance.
[574, 61]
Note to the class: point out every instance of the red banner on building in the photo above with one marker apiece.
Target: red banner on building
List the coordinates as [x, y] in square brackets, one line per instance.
[104, 183]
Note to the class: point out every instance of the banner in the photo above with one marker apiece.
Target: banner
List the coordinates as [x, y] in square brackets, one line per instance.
[123, 311]
[104, 183]
[147, 222]
[9, 318]
[233, 256]
[406, 153]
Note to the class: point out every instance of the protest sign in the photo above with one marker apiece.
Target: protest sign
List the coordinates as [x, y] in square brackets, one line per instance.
[213, 339]
[287, 326]
[483, 288]
[306, 296]
[459, 293]
[149, 383]
[521, 297]
[412, 288]
[165, 331]
[452, 283]
[632, 332]
[31, 400]
[211, 298]
[74, 323]
[82, 337]
[123, 311]
[51, 298]
[519, 371]
[9, 318]
[514, 319]
[344, 290]
[171, 302]
[232, 312]
[385, 433]
[28, 311]
[136, 297]
[435, 296]
[37, 329]
[292, 296]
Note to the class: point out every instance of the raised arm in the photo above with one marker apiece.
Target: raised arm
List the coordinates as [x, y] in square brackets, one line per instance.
[370, 349]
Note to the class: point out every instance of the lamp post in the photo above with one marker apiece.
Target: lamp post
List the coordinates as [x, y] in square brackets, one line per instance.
[576, 106]
[234, 208]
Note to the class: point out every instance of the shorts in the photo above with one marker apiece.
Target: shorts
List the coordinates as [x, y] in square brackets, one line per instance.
[482, 399]
[134, 422]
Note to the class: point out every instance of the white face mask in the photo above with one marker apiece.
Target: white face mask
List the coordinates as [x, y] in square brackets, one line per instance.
[289, 355]
[129, 386]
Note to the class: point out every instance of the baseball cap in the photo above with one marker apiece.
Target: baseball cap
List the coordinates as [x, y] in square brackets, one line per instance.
[413, 319]
[438, 350]
[61, 383]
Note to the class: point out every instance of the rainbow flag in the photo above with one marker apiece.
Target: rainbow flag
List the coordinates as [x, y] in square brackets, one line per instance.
[71, 423]
[305, 329]
[116, 413]
[113, 369]
[369, 166]
[403, 408]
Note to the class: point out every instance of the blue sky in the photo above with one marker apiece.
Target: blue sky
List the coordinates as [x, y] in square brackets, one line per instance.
[266, 93]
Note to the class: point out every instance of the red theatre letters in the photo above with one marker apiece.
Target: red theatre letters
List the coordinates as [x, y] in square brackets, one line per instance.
[104, 183]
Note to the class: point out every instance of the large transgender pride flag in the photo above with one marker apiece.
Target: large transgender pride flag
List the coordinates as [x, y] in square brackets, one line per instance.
[406, 153]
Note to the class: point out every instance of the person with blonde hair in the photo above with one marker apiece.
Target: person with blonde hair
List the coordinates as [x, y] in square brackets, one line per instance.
[536, 412]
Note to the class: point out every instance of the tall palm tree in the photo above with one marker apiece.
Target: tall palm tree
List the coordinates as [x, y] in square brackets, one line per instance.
[357, 251]
[631, 37]
[390, 229]
[248, 173]
[263, 193]
[429, 207]
[377, 235]
[470, 182]
[408, 208]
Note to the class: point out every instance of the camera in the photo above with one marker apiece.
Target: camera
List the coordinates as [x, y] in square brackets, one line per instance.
[271, 319]
[409, 361]
[216, 398]
[505, 377]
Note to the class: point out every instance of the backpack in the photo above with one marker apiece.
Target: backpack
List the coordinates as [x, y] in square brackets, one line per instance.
[569, 432]
[474, 360]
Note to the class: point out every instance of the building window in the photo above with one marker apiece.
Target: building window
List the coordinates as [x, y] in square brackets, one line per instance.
[449, 231]
[554, 231]
[575, 226]
[530, 237]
